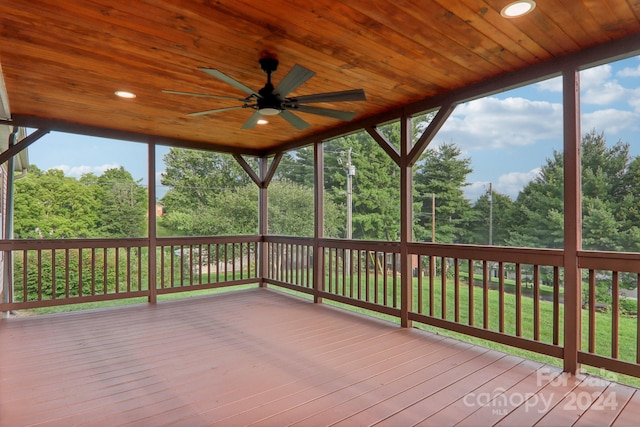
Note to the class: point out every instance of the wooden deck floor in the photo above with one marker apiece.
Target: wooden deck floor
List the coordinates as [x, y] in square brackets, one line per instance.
[260, 357]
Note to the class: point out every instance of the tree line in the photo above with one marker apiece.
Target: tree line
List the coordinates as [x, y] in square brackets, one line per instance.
[210, 194]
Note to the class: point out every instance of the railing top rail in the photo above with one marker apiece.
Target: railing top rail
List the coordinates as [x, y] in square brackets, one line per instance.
[203, 240]
[35, 244]
[610, 261]
[551, 257]
[289, 239]
[371, 245]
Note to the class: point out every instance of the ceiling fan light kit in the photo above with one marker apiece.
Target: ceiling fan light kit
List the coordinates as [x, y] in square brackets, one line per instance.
[273, 101]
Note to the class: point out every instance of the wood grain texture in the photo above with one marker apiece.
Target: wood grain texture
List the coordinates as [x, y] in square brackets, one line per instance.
[62, 61]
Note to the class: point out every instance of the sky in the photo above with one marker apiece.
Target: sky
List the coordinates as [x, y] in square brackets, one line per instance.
[507, 136]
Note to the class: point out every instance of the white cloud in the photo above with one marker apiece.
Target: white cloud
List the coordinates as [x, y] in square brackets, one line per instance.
[78, 171]
[610, 121]
[629, 72]
[551, 85]
[512, 183]
[492, 123]
[474, 190]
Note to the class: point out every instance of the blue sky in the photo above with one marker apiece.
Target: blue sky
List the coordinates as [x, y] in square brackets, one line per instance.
[507, 136]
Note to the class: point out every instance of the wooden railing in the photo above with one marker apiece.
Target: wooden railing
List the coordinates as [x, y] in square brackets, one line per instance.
[611, 330]
[513, 296]
[187, 264]
[507, 295]
[290, 262]
[60, 272]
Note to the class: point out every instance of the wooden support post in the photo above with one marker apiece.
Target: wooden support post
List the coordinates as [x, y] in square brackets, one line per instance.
[572, 219]
[406, 221]
[318, 250]
[263, 222]
[151, 193]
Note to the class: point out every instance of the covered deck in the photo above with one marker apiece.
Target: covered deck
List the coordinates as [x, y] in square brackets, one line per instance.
[258, 356]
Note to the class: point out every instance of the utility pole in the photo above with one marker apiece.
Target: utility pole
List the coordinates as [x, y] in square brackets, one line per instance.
[351, 171]
[490, 214]
[433, 217]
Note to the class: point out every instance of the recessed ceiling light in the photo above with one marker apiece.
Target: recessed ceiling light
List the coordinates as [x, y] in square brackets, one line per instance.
[518, 8]
[262, 122]
[125, 94]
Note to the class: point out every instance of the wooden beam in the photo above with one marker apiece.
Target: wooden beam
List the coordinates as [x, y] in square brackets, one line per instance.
[572, 220]
[318, 231]
[151, 189]
[22, 144]
[263, 224]
[68, 127]
[249, 170]
[272, 169]
[406, 222]
[384, 143]
[430, 132]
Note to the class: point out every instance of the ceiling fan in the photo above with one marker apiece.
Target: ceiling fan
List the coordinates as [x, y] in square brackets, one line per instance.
[271, 101]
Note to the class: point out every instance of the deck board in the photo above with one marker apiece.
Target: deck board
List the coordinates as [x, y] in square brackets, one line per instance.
[264, 358]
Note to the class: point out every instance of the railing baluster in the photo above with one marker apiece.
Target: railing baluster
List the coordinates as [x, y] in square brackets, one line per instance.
[432, 273]
[471, 301]
[25, 276]
[456, 290]
[117, 269]
[66, 273]
[615, 313]
[395, 281]
[501, 297]
[54, 289]
[105, 271]
[518, 300]
[420, 302]
[376, 274]
[485, 294]
[128, 272]
[536, 302]
[443, 287]
[556, 305]
[93, 271]
[385, 256]
[637, 318]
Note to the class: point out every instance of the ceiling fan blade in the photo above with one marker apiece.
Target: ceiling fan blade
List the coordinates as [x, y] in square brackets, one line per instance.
[327, 112]
[346, 95]
[229, 80]
[252, 122]
[217, 110]
[294, 79]
[294, 120]
[203, 95]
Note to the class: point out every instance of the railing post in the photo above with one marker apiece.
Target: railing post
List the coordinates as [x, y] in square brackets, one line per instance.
[318, 251]
[263, 224]
[572, 219]
[151, 191]
[406, 221]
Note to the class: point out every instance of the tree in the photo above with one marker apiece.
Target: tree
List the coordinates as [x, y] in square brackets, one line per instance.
[50, 205]
[538, 211]
[123, 204]
[376, 186]
[499, 216]
[609, 193]
[443, 173]
[195, 177]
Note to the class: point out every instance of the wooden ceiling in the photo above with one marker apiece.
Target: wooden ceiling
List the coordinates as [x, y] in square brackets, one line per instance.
[63, 60]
